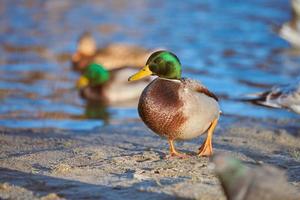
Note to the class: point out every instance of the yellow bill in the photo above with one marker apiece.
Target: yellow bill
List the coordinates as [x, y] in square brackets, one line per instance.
[145, 71]
[82, 82]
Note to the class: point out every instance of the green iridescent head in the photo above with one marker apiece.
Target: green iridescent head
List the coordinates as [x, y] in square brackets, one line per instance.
[94, 74]
[164, 64]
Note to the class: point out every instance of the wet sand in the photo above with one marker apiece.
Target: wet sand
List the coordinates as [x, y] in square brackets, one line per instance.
[125, 160]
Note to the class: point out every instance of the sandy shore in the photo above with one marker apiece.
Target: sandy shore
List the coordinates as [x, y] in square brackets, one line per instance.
[125, 160]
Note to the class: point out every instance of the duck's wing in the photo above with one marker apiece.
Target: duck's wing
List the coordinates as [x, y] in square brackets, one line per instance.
[116, 55]
[285, 96]
[123, 49]
[199, 87]
[207, 92]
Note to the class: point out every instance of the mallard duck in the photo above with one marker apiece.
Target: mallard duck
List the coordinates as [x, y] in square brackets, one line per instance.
[112, 56]
[290, 31]
[174, 107]
[283, 96]
[109, 86]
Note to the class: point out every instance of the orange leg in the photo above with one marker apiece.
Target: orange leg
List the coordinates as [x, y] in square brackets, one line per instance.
[206, 148]
[173, 151]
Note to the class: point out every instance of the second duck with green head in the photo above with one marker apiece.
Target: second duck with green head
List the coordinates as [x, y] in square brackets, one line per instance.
[174, 107]
[109, 86]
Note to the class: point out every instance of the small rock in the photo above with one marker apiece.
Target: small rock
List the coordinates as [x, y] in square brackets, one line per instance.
[62, 169]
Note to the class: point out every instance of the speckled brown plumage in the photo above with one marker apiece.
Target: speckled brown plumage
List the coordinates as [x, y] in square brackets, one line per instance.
[160, 108]
[177, 109]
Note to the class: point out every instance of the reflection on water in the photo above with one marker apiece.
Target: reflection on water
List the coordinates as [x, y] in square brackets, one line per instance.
[229, 46]
[96, 110]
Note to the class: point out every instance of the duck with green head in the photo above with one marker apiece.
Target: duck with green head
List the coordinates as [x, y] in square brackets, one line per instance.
[109, 86]
[174, 107]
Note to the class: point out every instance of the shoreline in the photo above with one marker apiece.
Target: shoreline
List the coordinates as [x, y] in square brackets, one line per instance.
[125, 160]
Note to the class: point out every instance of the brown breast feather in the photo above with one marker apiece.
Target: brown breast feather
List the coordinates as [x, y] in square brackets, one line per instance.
[160, 107]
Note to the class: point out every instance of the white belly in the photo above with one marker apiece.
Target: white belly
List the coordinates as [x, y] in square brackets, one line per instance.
[201, 111]
[119, 93]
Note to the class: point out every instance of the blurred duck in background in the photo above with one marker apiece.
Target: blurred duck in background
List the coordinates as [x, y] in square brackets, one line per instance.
[240, 182]
[109, 86]
[284, 96]
[290, 31]
[112, 56]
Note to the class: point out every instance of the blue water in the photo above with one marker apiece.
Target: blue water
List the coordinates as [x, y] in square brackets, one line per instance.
[228, 45]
